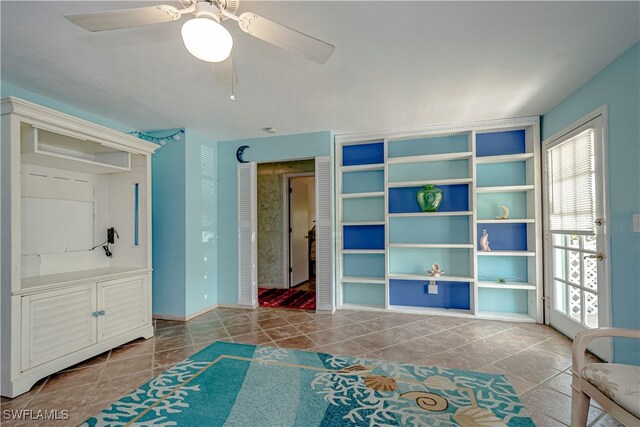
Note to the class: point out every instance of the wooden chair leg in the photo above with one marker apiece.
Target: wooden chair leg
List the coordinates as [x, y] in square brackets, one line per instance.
[580, 403]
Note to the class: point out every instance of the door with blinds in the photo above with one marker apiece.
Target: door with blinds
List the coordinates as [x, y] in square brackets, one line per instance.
[247, 235]
[575, 231]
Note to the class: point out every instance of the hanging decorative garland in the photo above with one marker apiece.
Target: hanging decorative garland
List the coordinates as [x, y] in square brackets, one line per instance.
[162, 140]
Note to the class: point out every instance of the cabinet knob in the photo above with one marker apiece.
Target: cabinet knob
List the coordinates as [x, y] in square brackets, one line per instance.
[101, 312]
[95, 314]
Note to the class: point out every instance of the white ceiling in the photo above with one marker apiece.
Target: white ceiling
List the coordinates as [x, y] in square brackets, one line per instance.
[396, 64]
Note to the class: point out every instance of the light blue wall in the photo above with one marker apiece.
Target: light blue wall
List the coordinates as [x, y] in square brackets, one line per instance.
[268, 149]
[168, 225]
[618, 86]
[7, 89]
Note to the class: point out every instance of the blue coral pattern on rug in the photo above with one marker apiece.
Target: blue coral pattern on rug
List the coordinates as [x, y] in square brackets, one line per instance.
[245, 385]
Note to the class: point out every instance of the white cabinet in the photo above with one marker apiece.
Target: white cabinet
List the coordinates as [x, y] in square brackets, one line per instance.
[122, 306]
[66, 185]
[56, 323]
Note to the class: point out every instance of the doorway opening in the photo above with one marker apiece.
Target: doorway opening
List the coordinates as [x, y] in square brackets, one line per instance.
[286, 234]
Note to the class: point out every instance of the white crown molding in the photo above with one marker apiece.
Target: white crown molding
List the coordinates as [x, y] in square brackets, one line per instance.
[437, 129]
[39, 115]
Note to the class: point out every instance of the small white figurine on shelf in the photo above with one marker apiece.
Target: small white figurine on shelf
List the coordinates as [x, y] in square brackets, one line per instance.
[484, 241]
[435, 270]
[505, 212]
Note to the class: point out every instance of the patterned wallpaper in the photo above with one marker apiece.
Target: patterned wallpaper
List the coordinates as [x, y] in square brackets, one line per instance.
[270, 217]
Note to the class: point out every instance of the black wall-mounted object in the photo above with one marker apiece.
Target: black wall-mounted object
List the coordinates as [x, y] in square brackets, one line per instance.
[240, 153]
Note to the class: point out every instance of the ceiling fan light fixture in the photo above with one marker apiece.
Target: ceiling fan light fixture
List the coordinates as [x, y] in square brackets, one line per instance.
[205, 38]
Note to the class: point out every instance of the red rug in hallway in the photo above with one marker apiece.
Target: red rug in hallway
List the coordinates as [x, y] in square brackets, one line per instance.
[289, 298]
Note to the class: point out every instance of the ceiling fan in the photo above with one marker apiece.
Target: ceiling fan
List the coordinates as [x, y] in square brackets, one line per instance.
[204, 36]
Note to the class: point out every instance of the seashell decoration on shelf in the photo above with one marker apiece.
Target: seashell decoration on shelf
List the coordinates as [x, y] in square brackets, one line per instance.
[435, 270]
[505, 213]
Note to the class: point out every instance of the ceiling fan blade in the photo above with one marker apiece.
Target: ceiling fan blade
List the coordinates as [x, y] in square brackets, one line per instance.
[285, 37]
[125, 18]
[223, 72]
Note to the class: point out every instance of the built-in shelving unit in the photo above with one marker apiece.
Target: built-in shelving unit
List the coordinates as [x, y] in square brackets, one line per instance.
[386, 244]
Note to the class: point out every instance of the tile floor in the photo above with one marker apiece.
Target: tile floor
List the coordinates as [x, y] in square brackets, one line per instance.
[535, 358]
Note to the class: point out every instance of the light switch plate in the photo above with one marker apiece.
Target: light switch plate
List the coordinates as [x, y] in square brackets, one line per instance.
[433, 289]
[636, 223]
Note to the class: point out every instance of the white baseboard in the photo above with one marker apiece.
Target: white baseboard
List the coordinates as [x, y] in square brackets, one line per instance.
[187, 317]
[244, 307]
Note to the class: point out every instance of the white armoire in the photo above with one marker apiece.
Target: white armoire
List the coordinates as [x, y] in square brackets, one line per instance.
[67, 295]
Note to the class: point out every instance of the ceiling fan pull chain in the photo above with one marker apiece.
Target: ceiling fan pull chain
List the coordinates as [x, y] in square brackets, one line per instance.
[232, 97]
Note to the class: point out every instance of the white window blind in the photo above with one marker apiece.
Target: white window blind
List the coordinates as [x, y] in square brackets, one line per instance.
[571, 185]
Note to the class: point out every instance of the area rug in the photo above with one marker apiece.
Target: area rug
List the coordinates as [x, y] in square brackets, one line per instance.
[289, 298]
[245, 385]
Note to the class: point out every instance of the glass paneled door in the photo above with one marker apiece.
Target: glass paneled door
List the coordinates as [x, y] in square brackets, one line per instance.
[575, 231]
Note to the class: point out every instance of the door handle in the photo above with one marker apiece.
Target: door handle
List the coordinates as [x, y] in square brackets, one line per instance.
[599, 256]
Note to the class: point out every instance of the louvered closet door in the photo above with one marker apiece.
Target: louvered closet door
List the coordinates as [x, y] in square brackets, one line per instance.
[122, 306]
[247, 235]
[57, 323]
[325, 299]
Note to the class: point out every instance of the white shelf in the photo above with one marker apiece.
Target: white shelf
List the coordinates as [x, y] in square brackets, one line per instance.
[364, 307]
[433, 182]
[503, 315]
[424, 277]
[504, 189]
[504, 159]
[428, 214]
[506, 221]
[430, 158]
[362, 195]
[430, 310]
[362, 223]
[363, 251]
[515, 285]
[362, 279]
[432, 245]
[506, 253]
[362, 168]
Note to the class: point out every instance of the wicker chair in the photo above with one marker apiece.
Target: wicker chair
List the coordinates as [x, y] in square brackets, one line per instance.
[616, 387]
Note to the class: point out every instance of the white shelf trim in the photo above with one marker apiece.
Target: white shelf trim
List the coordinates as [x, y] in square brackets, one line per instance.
[361, 168]
[504, 189]
[362, 195]
[433, 182]
[504, 158]
[432, 245]
[495, 285]
[430, 158]
[430, 310]
[429, 214]
[506, 221]
[362, 223]
[506, 253]
[363, 251]
[361, 279]
[424, 277]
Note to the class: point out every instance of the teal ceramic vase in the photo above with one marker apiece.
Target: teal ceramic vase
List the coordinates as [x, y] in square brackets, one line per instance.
[430, 198]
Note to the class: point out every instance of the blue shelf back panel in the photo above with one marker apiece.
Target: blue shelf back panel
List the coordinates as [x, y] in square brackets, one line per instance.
[426, 171]
[363, 293]
[500, 143]
[503, 300]
[403, 199]
[414, 293]
[363, 236]
[367, 209]
[488, 205]
[505, 237]
[493, 175]
[363, 154]
[428, 146]
[440, 229]
[365, 265]
[511, 268]
[419, 260]
[362, 182]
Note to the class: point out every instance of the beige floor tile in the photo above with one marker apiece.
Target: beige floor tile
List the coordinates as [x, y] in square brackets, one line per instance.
[301, 342]
[72, 399]
[388, 322]
[173, 331]
[344, 348]
[277, 322]
[541, 420]
[606, 420]
[209, 335]
[389, 337]
[560, 345]
[74, 378]
[520, 384]
[112, 389]
[205, 326]
[236, 320]
[561, 383]
[130, 366]
[133, 349]
[482, 329]
[329, 336]
[424, 327]
[243, 329]
[553, 404]
[533, 369]
[96, 360]
[255, 338]
[299, 318]
[173, 342]
[161, 323]
[171, 357]
[283, 332]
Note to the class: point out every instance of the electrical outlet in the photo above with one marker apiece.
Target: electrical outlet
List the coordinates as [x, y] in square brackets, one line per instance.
[636, 223]
[111, 235]
[433, 288]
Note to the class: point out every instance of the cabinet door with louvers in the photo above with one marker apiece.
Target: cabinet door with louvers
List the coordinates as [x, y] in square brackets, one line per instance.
[57, 323]
[122, 306]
